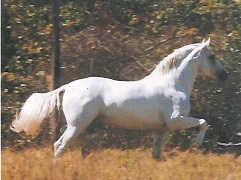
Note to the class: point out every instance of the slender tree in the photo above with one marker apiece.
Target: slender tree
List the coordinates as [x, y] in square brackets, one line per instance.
[55, 65]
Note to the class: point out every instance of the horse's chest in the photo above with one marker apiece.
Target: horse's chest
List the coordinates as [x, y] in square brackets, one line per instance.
[181, 104]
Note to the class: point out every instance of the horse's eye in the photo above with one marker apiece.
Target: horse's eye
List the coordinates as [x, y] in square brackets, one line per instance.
[212, 56]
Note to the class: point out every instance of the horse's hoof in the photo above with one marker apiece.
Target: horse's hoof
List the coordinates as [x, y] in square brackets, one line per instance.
[85, 152]
[157, 157]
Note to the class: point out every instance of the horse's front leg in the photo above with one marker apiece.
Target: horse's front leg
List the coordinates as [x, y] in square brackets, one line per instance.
[157, 144]
[184, 122]
[199, 139]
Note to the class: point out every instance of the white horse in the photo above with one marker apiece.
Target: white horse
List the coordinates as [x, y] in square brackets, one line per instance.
[157, 102]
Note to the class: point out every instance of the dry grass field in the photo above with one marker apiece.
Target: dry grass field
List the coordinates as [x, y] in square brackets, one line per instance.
[110, 164]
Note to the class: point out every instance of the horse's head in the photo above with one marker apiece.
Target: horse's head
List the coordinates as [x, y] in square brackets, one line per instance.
[209, 66]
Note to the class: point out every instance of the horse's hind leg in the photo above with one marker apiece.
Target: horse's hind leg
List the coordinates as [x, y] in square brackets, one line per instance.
[77, 122]
[69, 135]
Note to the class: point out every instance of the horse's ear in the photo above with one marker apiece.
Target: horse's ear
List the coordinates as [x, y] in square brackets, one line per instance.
[207, 42]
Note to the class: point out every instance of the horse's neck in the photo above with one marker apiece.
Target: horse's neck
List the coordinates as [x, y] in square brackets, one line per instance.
[187, 77]
[183, 78]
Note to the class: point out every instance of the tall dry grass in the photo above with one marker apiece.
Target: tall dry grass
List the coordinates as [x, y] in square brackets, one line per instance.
[117, 164]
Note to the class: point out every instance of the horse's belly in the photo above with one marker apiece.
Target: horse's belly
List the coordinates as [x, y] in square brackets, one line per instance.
[133, 122]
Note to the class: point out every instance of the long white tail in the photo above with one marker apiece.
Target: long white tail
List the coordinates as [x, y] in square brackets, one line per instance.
[36, 108]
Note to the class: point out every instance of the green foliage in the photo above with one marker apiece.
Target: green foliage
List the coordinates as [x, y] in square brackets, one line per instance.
[128, 29]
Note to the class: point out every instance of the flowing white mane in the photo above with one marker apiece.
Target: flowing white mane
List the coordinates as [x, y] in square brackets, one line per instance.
[173, 60]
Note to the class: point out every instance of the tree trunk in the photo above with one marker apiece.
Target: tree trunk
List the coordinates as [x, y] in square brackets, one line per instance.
[55, 67]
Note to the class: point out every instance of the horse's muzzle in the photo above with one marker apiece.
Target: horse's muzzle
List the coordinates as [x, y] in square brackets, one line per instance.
[222, 75]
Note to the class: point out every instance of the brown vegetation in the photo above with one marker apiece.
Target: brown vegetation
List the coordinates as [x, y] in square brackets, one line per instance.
[39, 163]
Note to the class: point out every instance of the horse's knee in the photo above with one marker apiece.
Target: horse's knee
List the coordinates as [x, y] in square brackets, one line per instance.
[203, 125]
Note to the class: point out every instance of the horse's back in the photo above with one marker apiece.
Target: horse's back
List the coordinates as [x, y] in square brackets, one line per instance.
[100, 90]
